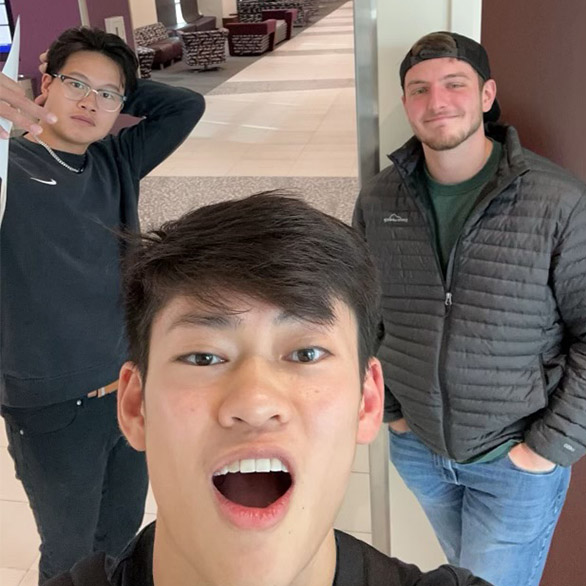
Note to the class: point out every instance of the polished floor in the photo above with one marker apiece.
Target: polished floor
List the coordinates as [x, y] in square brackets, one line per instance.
[285, 121]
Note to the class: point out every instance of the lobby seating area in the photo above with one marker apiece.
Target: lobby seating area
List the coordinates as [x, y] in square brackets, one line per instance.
[257, 27]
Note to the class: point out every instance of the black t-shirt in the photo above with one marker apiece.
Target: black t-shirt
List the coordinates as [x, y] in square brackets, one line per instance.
[358, 564]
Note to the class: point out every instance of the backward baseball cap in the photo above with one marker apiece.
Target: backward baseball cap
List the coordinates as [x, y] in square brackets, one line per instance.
[447, 44]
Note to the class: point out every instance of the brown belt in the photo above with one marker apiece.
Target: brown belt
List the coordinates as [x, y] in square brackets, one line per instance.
[103, 391]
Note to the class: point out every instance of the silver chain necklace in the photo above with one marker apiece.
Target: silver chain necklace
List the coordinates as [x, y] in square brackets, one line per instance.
[58, 159]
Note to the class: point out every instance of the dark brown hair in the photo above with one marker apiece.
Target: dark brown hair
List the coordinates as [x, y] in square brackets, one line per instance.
[271, 247]
[438, 42]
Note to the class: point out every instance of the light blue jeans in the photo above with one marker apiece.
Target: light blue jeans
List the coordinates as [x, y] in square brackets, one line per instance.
[494, 519]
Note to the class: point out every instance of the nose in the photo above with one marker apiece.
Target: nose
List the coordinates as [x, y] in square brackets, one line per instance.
[90, 102]
[436, 98]
[255, 397]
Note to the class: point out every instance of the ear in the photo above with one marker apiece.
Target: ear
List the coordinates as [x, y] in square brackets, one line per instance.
[488, 94]
[45, 83]
[131, 406]
[372, 403]
[403, 99]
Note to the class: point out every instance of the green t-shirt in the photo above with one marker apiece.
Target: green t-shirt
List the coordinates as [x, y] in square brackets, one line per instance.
[452, 204]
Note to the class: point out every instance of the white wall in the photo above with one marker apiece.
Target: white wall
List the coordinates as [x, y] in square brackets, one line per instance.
[142, 12]
[218, 8]
[229, 7]
[212, 8]
[145, 11]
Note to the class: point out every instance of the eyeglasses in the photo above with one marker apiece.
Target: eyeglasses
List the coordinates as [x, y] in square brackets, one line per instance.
[75, 89]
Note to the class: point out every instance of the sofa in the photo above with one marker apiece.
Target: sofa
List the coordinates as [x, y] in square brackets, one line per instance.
[156, 37]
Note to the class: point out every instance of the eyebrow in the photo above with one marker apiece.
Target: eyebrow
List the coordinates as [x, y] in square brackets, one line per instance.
[223, 321]
[206, 320]
[85, 79]
[449, 76]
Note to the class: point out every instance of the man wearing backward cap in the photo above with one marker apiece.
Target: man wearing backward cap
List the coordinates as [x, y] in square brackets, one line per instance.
[481, 247]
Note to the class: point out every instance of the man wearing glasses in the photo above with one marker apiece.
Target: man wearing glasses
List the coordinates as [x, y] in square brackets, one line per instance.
[70, 188]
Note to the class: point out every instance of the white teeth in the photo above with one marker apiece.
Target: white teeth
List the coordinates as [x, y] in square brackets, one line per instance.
[249, 465]
[263, 465]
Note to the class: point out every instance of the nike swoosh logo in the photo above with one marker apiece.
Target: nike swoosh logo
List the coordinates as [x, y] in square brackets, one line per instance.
[49, 182]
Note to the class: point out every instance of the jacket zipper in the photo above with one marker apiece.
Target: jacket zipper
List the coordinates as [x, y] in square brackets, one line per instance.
[447, 282]
[448, 306]
[448, 302]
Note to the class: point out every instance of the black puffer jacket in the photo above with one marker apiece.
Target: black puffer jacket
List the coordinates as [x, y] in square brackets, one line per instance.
[496, 350]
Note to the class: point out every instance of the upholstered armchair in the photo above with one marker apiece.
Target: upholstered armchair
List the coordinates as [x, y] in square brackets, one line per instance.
[254, 38]
[146, 57]
[156, 37]
[251, 38]
[204, 49]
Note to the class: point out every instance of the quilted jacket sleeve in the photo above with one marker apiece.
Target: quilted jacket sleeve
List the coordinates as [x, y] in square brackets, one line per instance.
[560, 434]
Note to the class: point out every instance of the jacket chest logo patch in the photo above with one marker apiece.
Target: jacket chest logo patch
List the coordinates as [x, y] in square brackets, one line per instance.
[395, 219]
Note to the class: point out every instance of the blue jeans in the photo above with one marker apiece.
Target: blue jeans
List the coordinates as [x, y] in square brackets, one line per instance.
[494, 519]
[86, 486]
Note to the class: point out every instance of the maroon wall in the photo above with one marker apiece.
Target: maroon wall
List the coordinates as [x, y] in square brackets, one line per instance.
[41, 21]
[98, 10]
[537, 50]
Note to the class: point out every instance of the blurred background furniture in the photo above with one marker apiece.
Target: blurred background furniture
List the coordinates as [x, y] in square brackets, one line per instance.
[288, 16]
[146, 56]
[254, 38]
[156, 37]
[251, 10]
[184, 16]
[204, 49]
[251, 38]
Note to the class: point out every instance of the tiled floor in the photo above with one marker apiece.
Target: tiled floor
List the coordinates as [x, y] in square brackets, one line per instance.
[290, 114]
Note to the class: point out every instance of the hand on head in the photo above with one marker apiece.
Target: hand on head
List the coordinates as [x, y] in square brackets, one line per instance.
[17, 108]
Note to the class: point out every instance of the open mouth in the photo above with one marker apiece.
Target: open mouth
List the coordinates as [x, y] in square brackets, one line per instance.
[257, 483]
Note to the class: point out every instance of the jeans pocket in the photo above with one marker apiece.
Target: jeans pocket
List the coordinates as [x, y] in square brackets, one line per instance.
[41, 420]
[514, 466]
[397, 433]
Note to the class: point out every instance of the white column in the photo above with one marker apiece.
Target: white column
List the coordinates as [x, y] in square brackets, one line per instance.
[83, 13]
[142, 12]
